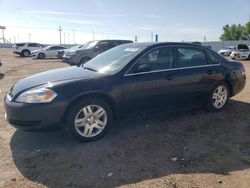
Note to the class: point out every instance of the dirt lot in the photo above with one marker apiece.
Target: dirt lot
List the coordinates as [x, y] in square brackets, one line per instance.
[187, 149]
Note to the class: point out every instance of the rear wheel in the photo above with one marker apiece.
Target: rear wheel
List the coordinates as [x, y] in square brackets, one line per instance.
[41, 56]
[218, 97]
[249, 57]
[25, 53]
[88, 120]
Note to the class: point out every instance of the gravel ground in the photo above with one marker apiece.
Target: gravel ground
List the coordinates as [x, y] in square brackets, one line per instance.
[186, 149]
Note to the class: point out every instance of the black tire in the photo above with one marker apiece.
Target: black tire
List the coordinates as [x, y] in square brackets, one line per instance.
[84, 60]
[249, 57]
[41, 56]
[25, 53]
[210, 104]
[74, 111]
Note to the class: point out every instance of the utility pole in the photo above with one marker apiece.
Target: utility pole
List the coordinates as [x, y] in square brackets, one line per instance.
[136, 38]
[3, 28]
[93, 32]
[29, 37]
[60, 34]
[156, 38]
[205, 39]
[74, 41]
[152, 36]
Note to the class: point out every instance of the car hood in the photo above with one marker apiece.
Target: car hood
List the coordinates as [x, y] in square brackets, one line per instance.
[35, 51]
[224, 50]
[38, 50]
[84, 50]
[51, 78]
[240, 51]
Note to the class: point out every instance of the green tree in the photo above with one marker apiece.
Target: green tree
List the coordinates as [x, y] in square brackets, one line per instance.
[236, 32]
[247, 30]
[226, 35]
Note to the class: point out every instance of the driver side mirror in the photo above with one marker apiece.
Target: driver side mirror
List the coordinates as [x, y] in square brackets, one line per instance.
[142, 68]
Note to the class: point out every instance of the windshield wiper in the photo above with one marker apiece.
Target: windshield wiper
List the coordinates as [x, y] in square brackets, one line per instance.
[89, 68]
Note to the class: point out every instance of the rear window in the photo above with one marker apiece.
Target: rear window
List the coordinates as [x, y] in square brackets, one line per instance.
[34, 45]
[213, 59]
[20, 44]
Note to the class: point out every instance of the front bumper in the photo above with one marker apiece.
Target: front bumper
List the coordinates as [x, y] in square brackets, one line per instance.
[238, 56]
[33, 116]
[225, 53]
[34, 56]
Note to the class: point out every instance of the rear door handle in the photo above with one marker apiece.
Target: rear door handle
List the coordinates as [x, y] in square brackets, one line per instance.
[170, 77]
[210, 72]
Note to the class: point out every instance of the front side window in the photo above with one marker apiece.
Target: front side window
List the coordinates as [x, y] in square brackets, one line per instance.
[189, 57]
[52, 48]
[158, 59]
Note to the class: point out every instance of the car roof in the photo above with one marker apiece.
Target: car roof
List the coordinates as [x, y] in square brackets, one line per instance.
[54, 46]
[155, 44]
[27, 43]
[115, 40]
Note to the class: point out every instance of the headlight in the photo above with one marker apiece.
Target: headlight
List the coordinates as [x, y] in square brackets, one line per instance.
[70, 53]
[37, 96]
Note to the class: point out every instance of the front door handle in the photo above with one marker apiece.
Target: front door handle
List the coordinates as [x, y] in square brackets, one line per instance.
[170, 77]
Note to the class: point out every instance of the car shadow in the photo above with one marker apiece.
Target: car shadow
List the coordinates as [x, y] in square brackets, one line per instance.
[140, 149]
[1, 76]
[22, 57]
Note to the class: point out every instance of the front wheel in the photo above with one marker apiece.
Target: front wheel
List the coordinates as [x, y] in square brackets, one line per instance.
[41, 56]
[25, 53]
[218, 97]
[88, 120]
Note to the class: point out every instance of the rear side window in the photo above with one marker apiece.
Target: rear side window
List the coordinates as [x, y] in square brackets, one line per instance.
[212, 58]
[20, 44]
[33, 45]
[190, 57]
[56, 48]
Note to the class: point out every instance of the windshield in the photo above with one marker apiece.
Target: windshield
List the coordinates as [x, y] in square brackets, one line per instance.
[114, 59]
[75, 47]
[90, 44]
[46, 47]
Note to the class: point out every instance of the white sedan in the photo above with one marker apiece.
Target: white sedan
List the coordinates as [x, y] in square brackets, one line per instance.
[47, 52]
[226, 51]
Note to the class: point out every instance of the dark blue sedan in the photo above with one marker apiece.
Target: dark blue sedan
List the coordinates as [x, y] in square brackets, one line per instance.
[126, 81]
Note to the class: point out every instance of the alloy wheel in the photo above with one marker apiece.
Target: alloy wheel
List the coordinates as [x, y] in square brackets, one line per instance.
[220, 96]
[90, 121]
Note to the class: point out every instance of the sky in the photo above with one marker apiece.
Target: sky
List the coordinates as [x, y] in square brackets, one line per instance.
[85, 20]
